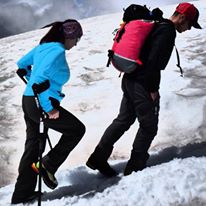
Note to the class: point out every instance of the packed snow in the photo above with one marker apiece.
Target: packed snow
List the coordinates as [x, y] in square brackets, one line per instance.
[176, 172]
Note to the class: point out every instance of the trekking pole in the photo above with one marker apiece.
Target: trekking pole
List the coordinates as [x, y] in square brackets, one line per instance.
[41, 148]
[36, 89]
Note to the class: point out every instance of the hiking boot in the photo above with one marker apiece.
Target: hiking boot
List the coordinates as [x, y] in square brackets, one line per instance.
[132, 166]
[48, 178]
[98, 160]
[103, 167]
[30, 198]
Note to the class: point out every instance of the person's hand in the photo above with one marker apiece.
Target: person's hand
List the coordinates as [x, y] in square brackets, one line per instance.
[54, 114]
[154, 95]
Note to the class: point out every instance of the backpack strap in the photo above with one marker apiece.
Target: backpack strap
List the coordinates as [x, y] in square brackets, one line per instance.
[178, 61]
[177, 53]
[110, 56]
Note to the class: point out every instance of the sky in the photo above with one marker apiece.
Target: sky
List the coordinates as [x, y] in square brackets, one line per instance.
[176, 172]
[17, 16]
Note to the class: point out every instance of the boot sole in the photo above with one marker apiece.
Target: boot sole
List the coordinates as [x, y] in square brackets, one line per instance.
[47, 182]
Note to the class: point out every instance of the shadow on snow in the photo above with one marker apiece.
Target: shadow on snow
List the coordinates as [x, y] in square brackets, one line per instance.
[87, 184]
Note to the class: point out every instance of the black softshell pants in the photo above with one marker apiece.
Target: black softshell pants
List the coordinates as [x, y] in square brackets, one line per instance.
[136, 104]
[72, 131]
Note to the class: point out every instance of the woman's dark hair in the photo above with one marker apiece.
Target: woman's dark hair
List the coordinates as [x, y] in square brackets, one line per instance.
[55, 34]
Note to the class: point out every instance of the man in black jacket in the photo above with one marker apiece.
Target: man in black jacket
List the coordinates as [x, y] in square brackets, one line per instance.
[141, 94]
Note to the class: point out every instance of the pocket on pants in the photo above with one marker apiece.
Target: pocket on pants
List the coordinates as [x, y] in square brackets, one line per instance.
[144, 104]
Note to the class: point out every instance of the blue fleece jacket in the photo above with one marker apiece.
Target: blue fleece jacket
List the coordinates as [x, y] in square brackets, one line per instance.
[49, 63]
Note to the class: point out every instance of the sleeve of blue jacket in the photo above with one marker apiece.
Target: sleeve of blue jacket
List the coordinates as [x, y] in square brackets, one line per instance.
[45, 72]
[27, 61]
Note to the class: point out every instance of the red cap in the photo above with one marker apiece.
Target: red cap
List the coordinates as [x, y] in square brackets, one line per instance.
[191, 13]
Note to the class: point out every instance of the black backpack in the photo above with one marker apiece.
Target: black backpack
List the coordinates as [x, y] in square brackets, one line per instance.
[134, 12]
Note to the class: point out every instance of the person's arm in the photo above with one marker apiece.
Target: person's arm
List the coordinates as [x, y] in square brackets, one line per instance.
[45, 72]
[162, 45]
[26, 62]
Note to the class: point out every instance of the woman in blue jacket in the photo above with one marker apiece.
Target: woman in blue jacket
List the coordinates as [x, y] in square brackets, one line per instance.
[48, 62]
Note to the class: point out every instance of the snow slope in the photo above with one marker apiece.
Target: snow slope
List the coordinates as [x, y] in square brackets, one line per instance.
[176, 174]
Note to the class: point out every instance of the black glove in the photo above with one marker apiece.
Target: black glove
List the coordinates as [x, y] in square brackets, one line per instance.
[21, 72]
